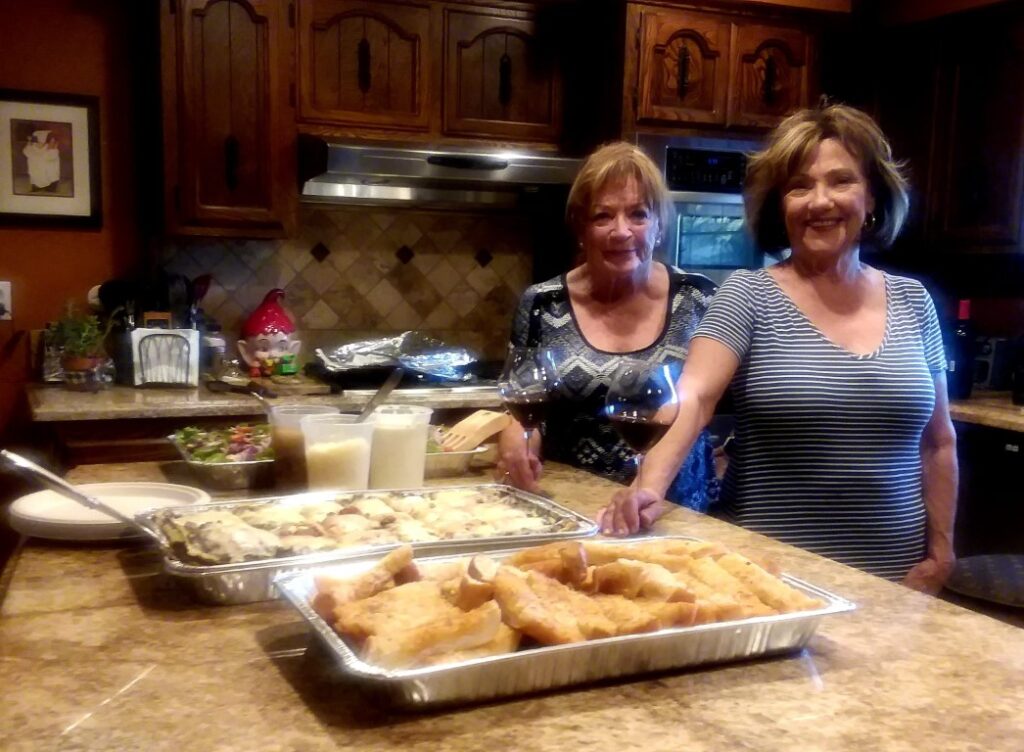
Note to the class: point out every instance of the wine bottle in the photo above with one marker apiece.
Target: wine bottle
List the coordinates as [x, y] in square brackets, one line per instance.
[960, 376]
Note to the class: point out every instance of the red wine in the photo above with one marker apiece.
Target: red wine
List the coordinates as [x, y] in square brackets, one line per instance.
[641, 435]
[529, 414]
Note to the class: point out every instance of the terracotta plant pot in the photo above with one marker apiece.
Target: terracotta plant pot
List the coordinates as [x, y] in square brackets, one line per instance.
[80, 362]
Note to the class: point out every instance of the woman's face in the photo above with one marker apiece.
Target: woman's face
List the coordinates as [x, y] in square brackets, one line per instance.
[825, 202]
[621, 229]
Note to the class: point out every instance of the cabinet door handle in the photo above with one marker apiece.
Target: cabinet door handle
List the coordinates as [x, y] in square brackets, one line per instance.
[231, 150]
[363, 64]
[683, 71]
[505, 79]
[771, 74]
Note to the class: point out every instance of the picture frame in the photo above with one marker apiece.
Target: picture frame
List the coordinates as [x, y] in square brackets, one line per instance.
[49, 159]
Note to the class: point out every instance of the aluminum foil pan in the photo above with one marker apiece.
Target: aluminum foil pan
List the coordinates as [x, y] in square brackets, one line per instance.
[545, 668]
[411, 350]
[248, 582]
[228, 476]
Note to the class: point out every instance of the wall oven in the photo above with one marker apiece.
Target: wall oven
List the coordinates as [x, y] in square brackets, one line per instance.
[705, 176]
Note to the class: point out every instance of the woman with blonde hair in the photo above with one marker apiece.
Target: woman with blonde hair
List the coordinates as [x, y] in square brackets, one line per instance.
[619, 301]
[843, 443]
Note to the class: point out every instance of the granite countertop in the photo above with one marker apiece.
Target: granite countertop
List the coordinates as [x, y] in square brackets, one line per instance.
[992, 409]
[102, 652]
[54, 403]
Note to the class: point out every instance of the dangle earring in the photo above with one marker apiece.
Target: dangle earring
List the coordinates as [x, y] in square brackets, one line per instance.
[869, 222]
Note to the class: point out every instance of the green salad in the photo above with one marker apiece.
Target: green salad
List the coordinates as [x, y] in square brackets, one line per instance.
[241, 443]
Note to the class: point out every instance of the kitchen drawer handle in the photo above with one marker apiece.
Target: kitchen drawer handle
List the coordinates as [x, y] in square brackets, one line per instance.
[505, 79]
[363, 64]
[771, 75]
[683, 71]
[231, 150]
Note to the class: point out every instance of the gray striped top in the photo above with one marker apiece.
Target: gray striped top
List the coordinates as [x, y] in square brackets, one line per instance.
[827, 451]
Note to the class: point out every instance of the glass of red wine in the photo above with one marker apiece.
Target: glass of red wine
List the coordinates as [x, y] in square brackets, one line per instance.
[642, 404]
[527, 381]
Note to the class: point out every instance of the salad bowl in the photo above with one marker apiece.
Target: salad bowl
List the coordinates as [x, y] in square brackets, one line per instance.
[227, 459]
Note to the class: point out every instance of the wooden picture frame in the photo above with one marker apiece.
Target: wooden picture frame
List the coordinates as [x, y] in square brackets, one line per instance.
[49, 159]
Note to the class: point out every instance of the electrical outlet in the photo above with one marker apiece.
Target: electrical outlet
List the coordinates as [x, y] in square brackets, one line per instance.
[5, 301]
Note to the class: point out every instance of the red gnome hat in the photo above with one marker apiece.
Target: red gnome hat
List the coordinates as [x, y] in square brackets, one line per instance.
[269, 317]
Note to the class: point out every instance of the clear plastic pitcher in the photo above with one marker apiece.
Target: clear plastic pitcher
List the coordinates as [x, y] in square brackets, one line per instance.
[399, 446]
[289, 448]
[337, 451]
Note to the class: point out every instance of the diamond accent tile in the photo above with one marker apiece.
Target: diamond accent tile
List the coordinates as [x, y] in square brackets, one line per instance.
[319, 252]
[404, 254]
[483, 257]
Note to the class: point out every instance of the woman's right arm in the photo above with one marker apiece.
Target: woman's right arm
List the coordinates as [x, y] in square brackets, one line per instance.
[709, 368]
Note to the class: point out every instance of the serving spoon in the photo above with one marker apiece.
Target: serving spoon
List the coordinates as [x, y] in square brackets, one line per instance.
[385, 389]
[61, 486]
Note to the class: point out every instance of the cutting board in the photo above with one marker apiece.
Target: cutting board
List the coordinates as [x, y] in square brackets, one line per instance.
[293, 386]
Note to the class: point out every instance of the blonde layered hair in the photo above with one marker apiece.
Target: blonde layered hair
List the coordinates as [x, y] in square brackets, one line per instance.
[788, 147]
[612, 164]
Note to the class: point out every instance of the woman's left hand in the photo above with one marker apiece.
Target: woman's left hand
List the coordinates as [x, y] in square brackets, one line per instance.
[930, 575]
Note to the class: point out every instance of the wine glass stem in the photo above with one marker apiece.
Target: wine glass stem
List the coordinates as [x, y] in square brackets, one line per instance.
[638, 458]
[526, 438]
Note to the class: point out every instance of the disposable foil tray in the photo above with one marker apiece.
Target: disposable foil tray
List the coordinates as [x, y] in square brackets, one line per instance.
[545, 668]
[251, 581]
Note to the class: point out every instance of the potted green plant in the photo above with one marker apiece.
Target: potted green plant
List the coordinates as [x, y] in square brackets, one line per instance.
[80, 338]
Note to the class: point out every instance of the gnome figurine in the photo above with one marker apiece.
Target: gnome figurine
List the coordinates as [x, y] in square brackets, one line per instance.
[267, 346]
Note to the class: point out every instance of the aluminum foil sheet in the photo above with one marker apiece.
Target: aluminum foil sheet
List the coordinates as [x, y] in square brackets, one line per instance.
[413, 351]
[248, 582]
[546, 668]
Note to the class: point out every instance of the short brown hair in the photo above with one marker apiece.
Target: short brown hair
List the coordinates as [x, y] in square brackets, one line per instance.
[611, 163]
[788, 146]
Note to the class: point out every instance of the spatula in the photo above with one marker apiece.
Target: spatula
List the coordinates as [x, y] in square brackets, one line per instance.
[470, 432]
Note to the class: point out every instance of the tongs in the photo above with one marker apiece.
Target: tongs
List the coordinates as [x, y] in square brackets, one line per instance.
[61, 486]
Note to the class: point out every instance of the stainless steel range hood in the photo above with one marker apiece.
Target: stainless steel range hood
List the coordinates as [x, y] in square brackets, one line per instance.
[338, 172]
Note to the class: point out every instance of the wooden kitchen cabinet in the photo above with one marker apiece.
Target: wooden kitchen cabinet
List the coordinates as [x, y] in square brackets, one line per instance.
[684, 67]
[366, 63]
[978, 169]
[500, 77]
[770, 73]
[694, 68]
[228, 123]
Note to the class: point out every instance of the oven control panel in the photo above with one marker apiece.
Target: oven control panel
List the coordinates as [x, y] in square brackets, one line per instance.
[704, 170]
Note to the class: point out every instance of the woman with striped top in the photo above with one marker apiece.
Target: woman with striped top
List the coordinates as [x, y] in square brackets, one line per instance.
[843, 443]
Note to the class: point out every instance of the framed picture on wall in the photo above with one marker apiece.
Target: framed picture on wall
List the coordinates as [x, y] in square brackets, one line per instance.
[49, 159]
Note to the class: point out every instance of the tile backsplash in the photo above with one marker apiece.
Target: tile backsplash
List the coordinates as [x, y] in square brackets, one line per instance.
[356, 272]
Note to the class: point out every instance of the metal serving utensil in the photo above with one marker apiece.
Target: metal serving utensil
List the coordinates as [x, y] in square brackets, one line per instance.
[61, 486]
[385, 389]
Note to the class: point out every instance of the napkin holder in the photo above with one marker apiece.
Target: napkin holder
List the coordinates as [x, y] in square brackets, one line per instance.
[165, 356]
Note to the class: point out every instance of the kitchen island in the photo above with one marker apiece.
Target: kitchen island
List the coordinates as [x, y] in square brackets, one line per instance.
[102, 652]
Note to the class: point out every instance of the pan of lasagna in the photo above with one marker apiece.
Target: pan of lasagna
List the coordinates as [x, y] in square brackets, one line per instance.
[414, 633]
[229, 552]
